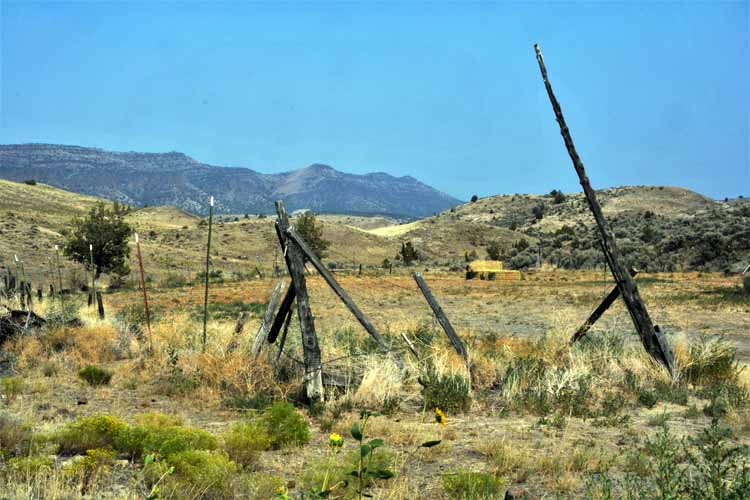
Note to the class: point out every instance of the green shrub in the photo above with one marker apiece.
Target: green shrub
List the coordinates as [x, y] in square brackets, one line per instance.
[244, 441]
[197, 474]
[88, 433]
[15, 436]
[166, 441]
[473, 486]
[285, 426]
[11, 387]
[95, 376]
[449, 392]
[29, 466]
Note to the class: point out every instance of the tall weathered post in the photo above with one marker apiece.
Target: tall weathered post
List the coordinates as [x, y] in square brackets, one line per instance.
[208, 266]
[145, 295]
[653, 341]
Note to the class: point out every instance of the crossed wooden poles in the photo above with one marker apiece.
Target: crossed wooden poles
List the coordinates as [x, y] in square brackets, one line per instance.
[651, 337]
[296, 252]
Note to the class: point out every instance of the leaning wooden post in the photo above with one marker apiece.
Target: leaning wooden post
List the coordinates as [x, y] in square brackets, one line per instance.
[208, 266]
[601, 309]
[296, 264]
[59, 277]
[145, 295]
[653, 341]
[442, 318]
[260, 337]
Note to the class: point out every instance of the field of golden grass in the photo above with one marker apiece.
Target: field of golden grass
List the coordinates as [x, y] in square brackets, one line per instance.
[541, 417]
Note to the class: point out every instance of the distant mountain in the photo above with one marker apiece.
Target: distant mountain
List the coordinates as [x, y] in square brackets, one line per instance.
[176, 179]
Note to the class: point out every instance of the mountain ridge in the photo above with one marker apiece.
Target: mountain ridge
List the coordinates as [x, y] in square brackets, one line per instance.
[174, 178]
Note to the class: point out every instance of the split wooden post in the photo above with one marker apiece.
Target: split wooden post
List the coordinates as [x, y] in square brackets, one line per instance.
[653, 340]
[273, 302]
[208, 266]
[296, 264]
[282, 340]
[601, 309]
[284, 312]
[145, 295]
[336, 287]
[442, 318]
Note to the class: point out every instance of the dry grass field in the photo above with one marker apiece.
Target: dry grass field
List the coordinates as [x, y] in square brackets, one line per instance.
[537, 416]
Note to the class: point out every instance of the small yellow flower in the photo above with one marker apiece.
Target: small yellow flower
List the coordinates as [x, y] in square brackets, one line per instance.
[440, 416]
[335, 441]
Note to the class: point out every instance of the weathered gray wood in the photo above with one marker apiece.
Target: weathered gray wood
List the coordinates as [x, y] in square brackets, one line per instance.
[653, 341]
[601, 309]
[442, 318]
[336, 287]
[296, 263]
[273, 302]
[281, 315]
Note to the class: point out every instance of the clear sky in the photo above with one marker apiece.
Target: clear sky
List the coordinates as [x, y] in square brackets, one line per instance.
[450, 93]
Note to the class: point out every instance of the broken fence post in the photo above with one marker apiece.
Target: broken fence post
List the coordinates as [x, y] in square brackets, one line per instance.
[442, 318]
[311, 349]
[273, 302]
[653, 340]
[601, 309]
[282, 340]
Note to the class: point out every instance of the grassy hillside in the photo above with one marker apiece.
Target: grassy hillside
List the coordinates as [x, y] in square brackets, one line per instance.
[658, 228]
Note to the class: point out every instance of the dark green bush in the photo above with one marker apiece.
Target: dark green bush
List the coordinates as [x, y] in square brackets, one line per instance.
[94, 375]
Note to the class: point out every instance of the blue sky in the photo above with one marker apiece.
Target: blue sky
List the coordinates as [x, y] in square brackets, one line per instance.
[450, 93]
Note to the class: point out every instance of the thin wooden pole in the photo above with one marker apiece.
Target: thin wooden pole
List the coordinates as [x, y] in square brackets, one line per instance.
[208, 266]
[59, 277]
[601, 309]
[653, 341]
[145, 295]
[442, 318]
[93, 270]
